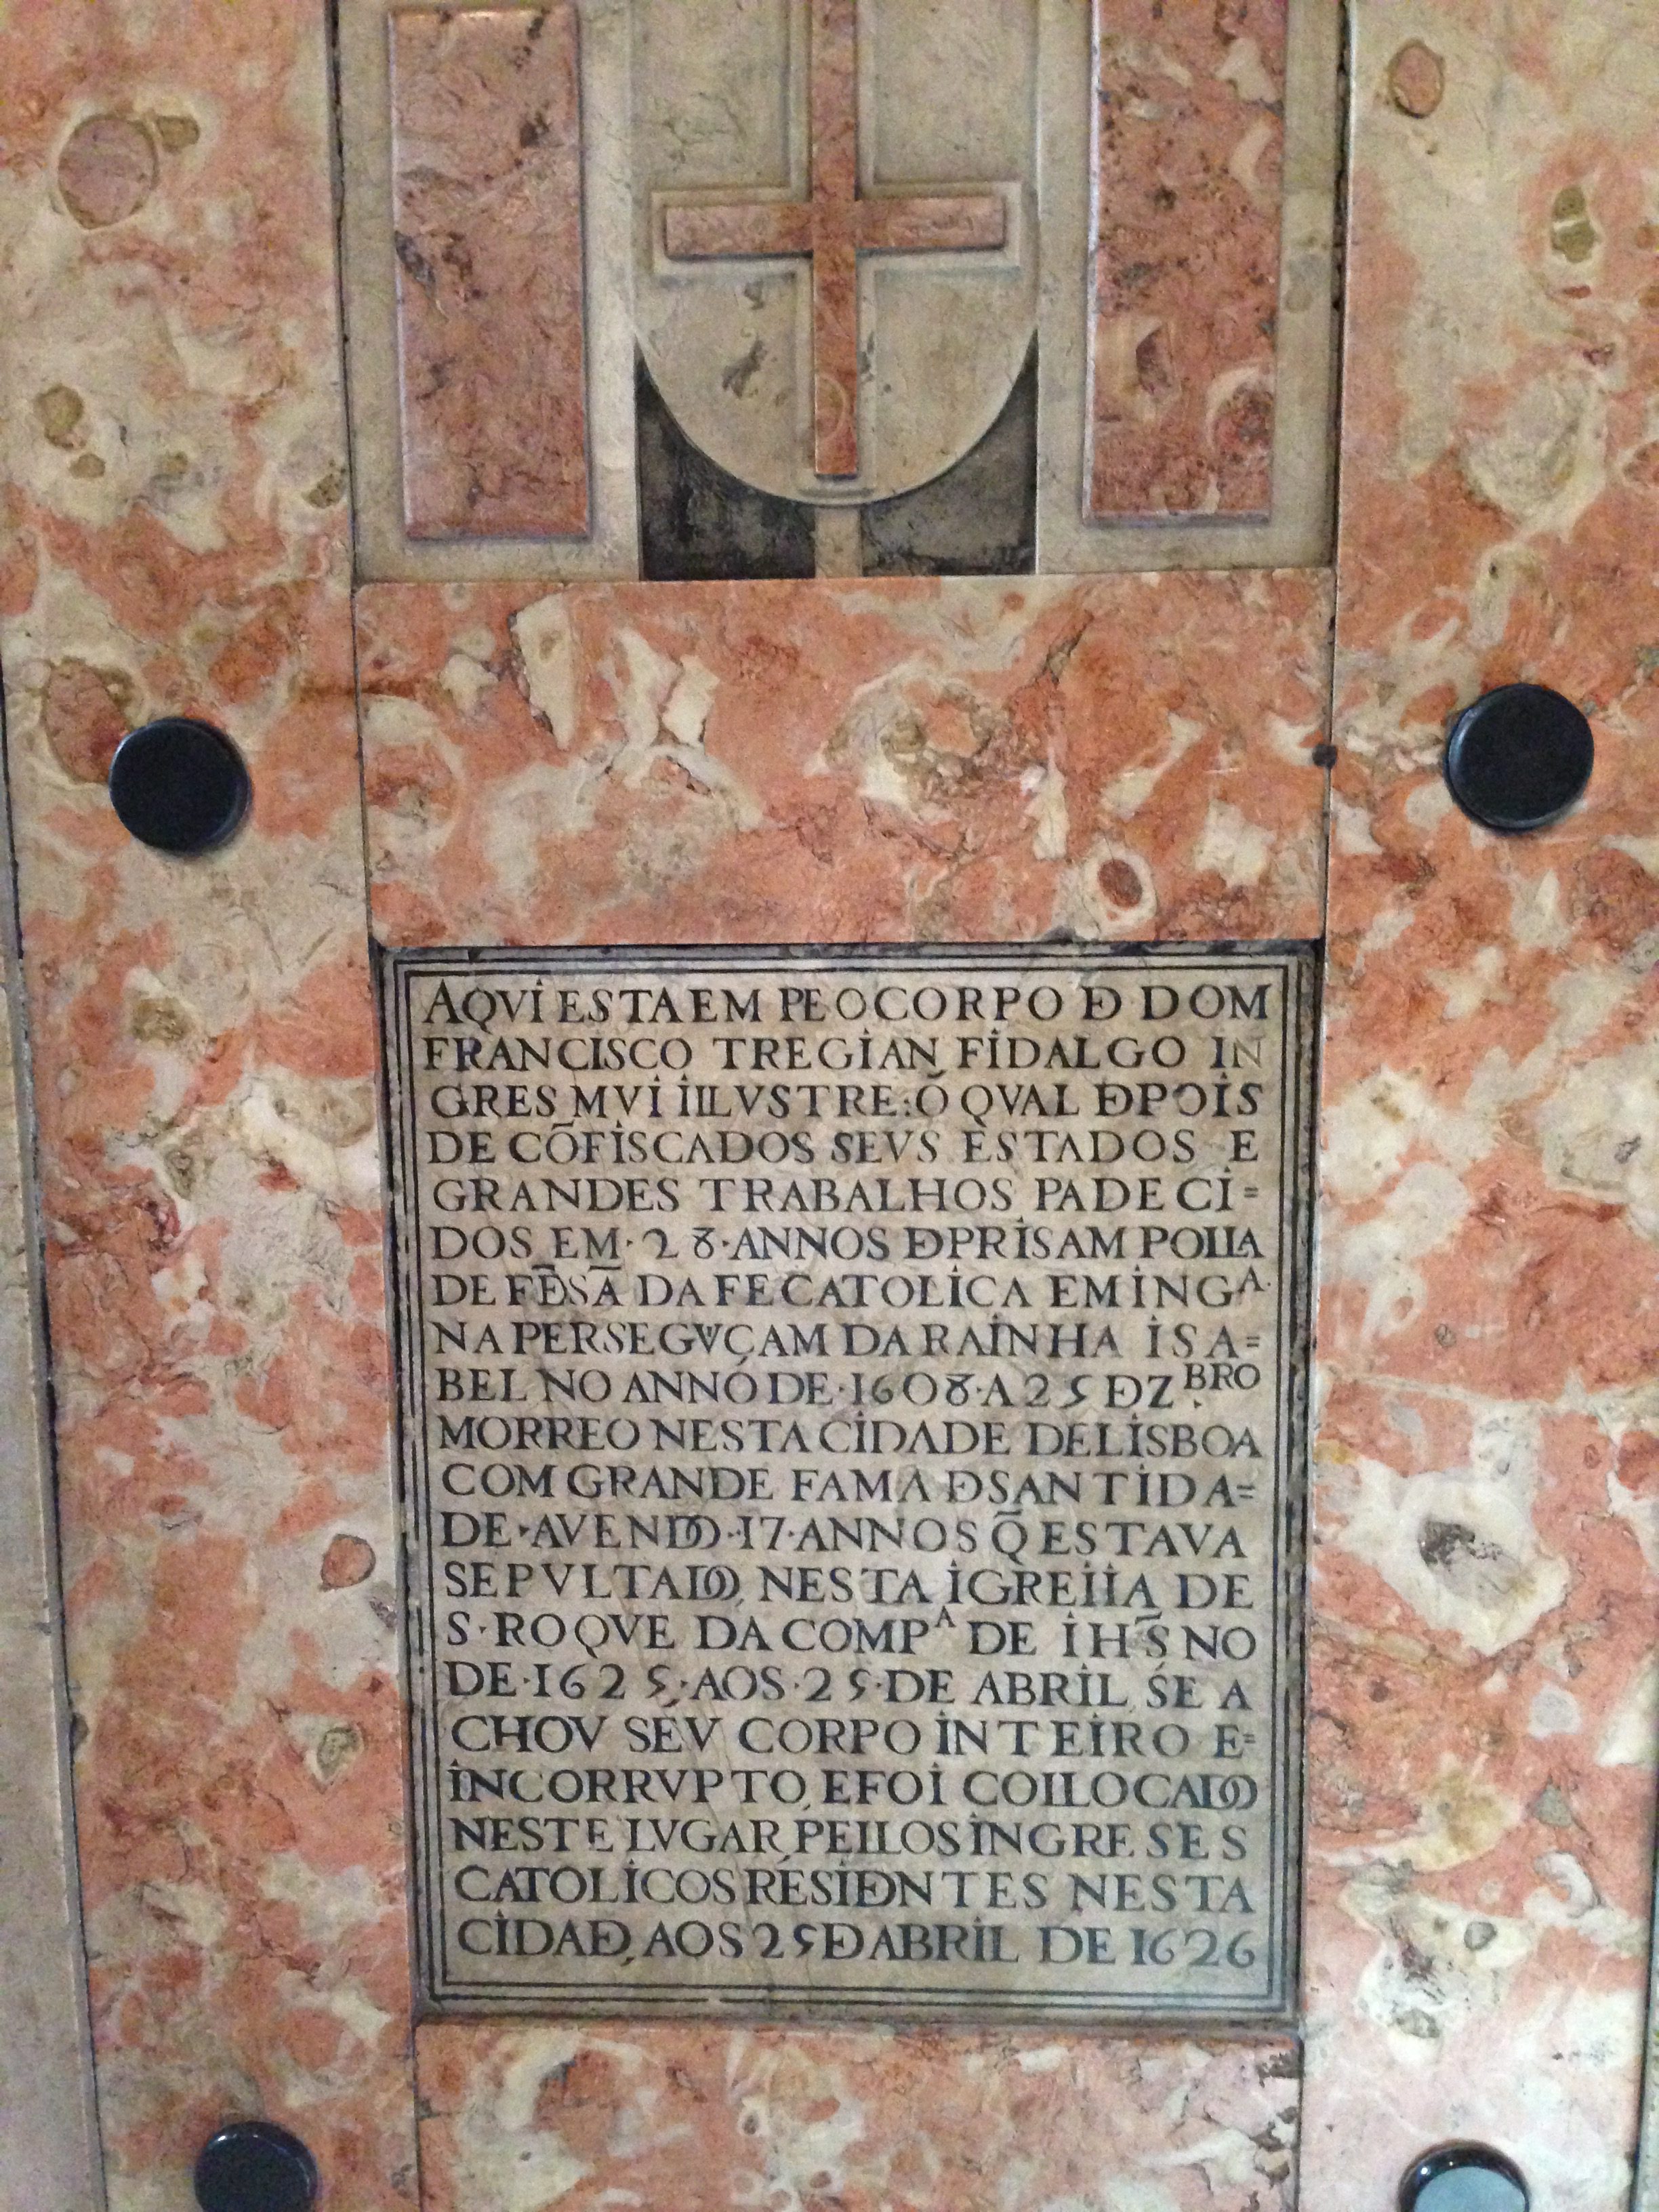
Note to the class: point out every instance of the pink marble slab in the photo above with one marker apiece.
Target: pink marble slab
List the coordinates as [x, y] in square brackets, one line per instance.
[487, 185]
[1189, 130]
[972, 759]
[204, 1058]
[710, 2118]
[1482, 1676]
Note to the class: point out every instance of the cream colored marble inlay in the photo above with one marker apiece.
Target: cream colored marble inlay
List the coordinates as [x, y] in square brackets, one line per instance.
[851, 1418]
[835, 261]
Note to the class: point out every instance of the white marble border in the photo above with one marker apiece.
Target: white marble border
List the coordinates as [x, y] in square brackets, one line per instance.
[384, 551]
[48, 2110]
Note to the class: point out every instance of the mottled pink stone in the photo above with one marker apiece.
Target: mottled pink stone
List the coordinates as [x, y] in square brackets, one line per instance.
[1189, 133]
[1481, 1614]
[488, 232]
[216, 1317]
[961, 760]
[909, 759]
[708, 2117]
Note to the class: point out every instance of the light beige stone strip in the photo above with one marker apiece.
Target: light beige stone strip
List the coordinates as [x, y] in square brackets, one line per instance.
[47, 2104]
[836, 541]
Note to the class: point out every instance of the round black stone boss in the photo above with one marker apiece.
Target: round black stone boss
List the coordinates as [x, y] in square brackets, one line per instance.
[1463, 2177]
[254, 2166]
[1519, 757]
[179, 785]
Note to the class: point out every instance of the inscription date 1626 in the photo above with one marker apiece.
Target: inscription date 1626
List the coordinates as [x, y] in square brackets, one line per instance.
[853, 1423]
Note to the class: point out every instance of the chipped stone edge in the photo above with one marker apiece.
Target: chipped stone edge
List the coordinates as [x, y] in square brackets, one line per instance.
[1300, 531]
[384, 552]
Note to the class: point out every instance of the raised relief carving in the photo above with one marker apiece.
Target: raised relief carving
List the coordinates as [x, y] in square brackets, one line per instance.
[837, 283]
[832, 228]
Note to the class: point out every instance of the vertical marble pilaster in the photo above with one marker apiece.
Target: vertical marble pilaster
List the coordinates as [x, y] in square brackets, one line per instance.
[487, 215]
[47, 2121]
[1188, 201]
[175, 485]
[1484, 1593]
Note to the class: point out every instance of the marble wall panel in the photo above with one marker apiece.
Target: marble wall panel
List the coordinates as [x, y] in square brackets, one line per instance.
[748, 763]
[204, 1055]
[713, 2117]
[487, 215]
[1482, 1674]
[1187, 416]
[1131, 758]
[547, 444]
[1189, 206]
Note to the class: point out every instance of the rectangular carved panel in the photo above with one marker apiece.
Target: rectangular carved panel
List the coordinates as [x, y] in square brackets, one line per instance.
[487, 194]
[1189, 134]
[853, 1405]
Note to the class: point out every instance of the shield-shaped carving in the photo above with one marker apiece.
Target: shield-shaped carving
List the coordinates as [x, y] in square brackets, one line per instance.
[836, 230]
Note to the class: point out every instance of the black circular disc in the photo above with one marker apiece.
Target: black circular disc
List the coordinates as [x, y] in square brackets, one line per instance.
[1463, 2177]
[179, 785]
[1519, 757]
[253, 2165]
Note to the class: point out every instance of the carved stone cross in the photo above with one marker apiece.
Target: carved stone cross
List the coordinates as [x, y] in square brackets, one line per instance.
[832, 228]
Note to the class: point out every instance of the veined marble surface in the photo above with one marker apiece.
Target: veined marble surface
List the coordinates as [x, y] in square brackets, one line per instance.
[204, 1058]
[716, 2117]
[1126, 758]
[1189, 210]
[487, 213]
[1483, 1600]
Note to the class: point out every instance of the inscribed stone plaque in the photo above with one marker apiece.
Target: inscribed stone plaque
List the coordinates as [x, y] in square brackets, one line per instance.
[852, 1408]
